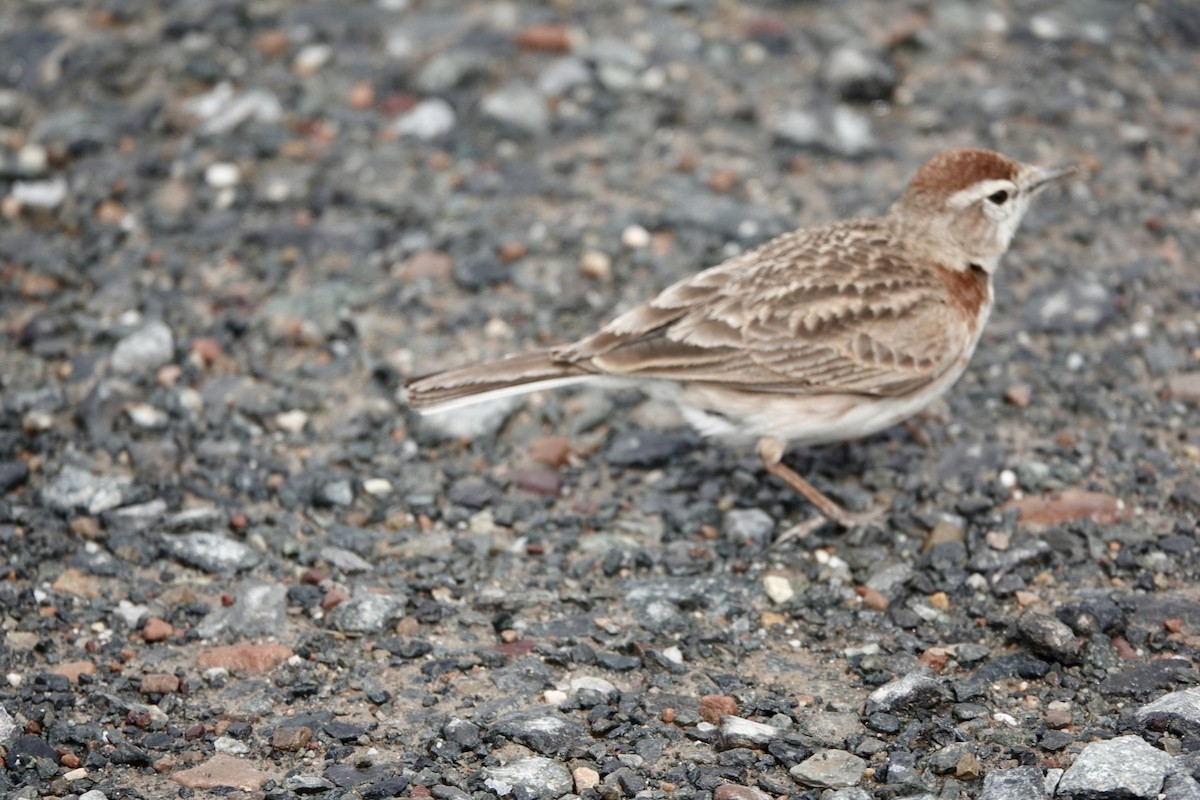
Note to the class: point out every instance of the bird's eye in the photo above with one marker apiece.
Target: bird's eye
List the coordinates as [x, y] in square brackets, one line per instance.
[999, 198]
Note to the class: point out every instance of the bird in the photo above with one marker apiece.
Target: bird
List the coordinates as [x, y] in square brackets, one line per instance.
[821, 335]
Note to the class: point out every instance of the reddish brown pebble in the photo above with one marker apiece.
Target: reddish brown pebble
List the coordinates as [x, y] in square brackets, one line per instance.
[84, 527]
[34, 285]
[397, 103]
[668, 715]
[425, 264]
[419, 791]
[238, 521]
[222, 770]
[1071, 505]
[1173, 625]
[553, 451]
[935, 658]
[1124, 649]
[722, 180]
[872, 598]
[207, 348]
[547, 38]
[194, 732]
[110, 212]
[163, 765]
[72, 581]
[159, 683]
[537, 481]
[139, 719]
[511, 251]
[155, 630]
[1065, 439]
[291, 739]
[333, 598]
[33, 728]
[715, 706]
[362, 96]
[312, 577]
[228, 600]
[271, 44]
[516, 648]
[1018, 394]
[244, 657]
[69, 760]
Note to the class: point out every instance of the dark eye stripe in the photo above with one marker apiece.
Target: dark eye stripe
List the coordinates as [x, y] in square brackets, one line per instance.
[999, 198]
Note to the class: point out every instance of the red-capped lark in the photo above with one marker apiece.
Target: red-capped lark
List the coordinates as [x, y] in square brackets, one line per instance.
[820, 335]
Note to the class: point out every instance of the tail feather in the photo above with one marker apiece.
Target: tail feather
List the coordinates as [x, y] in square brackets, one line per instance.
[512, 375]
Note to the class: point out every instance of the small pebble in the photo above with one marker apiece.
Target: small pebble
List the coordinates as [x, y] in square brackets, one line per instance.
[596, 265]
[778, 588]
[635, 237]
[222, 175]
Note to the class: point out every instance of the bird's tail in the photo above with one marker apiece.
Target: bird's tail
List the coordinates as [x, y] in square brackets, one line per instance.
[490, 380]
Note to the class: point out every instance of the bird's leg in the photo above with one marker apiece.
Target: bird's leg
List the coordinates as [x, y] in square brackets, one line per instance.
[770, 451]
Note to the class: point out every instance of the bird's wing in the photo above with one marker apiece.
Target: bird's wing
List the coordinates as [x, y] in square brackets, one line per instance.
[811, 312]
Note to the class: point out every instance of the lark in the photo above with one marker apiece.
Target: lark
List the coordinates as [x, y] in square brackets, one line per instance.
[820, 335]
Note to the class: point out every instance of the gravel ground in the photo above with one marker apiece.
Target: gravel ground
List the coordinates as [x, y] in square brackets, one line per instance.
[235, 565]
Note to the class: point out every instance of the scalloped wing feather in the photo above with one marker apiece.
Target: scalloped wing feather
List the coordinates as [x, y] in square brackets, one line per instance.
[816, 311]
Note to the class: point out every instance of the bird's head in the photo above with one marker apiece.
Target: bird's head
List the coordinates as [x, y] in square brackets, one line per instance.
[972, 201]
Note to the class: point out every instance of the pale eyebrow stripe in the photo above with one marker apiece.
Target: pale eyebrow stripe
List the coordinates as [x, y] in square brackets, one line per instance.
[964, 197]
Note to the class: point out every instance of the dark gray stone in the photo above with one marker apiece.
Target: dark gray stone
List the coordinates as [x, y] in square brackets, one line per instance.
[1048, 636]
[640, 448]
[541, 729]
[917, 689]
[211, 552]
[1019, 783]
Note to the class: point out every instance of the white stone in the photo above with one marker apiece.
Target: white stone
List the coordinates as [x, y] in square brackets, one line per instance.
[293, 421]
[635, 237]
[312, 58]
[427, 120]
[147, 417]
[40, 194]
[778, 588]
[377, 487]
[222, 175]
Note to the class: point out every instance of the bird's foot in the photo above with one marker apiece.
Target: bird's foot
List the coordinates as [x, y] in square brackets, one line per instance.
[770, 451]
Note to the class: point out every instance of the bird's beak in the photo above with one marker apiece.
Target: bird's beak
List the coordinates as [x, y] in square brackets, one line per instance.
[1039, 178]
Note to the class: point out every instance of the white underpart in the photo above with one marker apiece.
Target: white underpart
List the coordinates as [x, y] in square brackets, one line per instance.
[744, 417]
